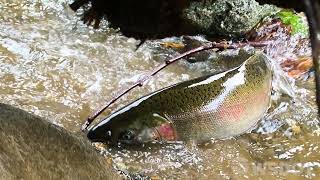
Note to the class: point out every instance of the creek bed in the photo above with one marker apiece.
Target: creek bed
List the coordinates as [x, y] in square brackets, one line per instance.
[55, 67]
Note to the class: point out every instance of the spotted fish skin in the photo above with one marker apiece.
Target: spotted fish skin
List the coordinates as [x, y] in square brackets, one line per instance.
[230, 103]
[214, 106]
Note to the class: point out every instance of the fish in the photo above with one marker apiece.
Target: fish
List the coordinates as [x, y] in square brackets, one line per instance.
[32, 147]
[216, 106]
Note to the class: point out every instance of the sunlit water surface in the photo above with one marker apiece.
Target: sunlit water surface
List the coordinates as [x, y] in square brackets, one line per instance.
[56, 67]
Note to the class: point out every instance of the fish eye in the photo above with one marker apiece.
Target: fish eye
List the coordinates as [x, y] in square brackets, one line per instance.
[128, 135]
[108, 133]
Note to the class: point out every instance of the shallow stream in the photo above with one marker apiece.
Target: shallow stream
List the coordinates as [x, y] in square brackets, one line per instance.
[54, 66]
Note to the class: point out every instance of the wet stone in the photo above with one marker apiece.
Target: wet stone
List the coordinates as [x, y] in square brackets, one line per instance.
[33, 148]
[227, 17]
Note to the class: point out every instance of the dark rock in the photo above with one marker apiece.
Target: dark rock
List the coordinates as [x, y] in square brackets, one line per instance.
[137, 18]
[33, 148]
[145, 19]
[227, 17]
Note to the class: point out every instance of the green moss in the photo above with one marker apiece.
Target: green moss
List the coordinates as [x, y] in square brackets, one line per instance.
[295, 21]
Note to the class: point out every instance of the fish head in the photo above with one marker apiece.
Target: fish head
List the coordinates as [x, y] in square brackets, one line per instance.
[125, 129]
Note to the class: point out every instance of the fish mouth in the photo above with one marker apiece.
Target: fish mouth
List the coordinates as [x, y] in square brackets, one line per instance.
[97, 136]
[91, 135]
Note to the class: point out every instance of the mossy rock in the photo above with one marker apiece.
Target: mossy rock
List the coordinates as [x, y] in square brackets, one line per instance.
[147, 19]
[227, 17]
[295, 21]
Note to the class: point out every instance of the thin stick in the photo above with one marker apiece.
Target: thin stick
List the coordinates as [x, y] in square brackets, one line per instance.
[141, 81]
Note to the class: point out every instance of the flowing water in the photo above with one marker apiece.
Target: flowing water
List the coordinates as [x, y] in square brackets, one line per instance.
[56, 67]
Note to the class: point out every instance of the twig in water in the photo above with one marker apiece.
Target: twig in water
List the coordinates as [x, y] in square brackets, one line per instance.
[143, 79]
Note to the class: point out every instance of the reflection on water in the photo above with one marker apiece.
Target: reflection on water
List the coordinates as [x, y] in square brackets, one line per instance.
[56, 67]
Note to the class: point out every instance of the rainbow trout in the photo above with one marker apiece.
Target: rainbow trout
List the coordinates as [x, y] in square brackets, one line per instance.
[215, 106]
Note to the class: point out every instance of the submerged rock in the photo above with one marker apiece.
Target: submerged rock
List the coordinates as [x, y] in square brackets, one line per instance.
[33, 148]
